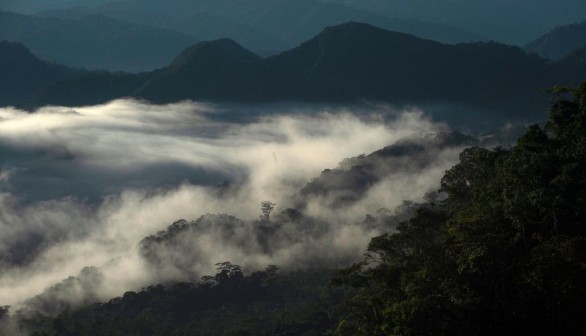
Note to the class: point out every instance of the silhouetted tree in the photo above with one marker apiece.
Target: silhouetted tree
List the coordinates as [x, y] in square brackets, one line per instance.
[266, 207]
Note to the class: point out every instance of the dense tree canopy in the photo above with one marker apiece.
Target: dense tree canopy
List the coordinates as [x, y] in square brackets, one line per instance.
[505, 253]
[227, 303]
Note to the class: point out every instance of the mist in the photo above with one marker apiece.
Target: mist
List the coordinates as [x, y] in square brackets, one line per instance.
[80, 188]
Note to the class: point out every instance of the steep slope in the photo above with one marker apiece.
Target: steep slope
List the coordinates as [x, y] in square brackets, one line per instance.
[94, 42]
[559, 42]
[21, 73]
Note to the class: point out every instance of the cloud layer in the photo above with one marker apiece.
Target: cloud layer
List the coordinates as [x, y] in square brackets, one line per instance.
[81, 187]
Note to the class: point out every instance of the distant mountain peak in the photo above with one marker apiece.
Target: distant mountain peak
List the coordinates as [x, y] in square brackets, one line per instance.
[94, 41]
[559, 42]
[361, 29]
[351, 25]
[223, 47]
[362, 34]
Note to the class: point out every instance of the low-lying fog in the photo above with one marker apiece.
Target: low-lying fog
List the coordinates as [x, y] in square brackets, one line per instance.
[81, 187]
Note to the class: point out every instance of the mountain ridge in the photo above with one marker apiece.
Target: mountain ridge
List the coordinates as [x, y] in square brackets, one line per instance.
[94, 42]
[281, 24]
[21, 73]
[351, 62]
[559, 42]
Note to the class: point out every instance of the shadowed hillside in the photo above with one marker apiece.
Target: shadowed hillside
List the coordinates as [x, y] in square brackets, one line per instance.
[21, 73]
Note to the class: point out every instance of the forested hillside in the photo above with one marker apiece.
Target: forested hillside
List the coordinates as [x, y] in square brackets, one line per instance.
[227, 303]
[504, 253]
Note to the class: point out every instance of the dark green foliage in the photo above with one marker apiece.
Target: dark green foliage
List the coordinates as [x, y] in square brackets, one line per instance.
[227, 303]
[504, 254]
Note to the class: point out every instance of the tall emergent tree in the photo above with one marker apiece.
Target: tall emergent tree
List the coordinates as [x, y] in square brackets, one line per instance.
[505, 254]
[266, 207]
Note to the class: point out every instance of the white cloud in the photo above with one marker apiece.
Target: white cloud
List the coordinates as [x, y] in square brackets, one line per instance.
[270, 157]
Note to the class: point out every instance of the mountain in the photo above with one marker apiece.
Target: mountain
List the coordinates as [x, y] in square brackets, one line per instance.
[208, 70]
[94, 42]
[213, 27]
[351, 62]
[204, 26]
[296, 21]
[559, 42]
[259, 25]
[22, 73]
[358, 61]
[512, 22]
